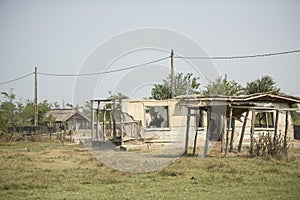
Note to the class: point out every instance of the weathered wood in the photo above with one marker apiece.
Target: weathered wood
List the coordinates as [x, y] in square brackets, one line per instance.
[122, 132]
[243, 132]
[232, 135]
[97, 118]
[228, 130]
[196, 134]
[276, 126]
[104, 123]
[207, 132]
[114, 113]
[187, 131]
[92, 120]
[224, 121]
[286, 131]
[252, 131]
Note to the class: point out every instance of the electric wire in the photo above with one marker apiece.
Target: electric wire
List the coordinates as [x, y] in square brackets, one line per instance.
[106, 72]
[238, 57]
[16, 79]
[158, 60]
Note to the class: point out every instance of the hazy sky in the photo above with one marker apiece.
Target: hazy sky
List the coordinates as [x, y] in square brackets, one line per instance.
[60, 36]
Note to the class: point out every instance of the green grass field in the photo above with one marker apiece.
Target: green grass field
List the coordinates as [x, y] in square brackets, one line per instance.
[50, 170]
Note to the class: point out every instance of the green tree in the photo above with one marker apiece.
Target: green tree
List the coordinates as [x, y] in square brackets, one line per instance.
[8, 111]
[184, 85]
[55, 105]
[222, 86]
[261, 85]
[43, 108]
[119, 95]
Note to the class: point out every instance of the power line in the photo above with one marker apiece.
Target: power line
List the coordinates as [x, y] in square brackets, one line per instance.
[107, 72]
[16, 79]
[158, 60]
[238, 57]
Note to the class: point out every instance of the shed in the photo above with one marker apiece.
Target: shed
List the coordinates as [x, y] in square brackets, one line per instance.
[261, 112]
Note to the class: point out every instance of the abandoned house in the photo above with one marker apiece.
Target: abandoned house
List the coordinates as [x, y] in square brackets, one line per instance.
[198, 119]
[68, 119]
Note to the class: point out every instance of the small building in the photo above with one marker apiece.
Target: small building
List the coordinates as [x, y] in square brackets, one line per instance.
[69, 119]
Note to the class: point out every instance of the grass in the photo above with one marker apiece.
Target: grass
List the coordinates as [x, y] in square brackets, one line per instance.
[50, 170]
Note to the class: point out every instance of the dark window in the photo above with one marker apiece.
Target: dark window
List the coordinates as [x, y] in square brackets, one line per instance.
[264, 120]
[156, 117]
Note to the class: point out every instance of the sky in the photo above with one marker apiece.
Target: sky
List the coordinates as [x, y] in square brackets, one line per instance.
[73, 37]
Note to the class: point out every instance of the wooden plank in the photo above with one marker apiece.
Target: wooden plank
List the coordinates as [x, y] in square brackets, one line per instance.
[196, 134]
[252, 131]
[187, 131]
[228, 130]
[97, 118]
[92, 120]
[104, 123]
[224, 121]
[286, 131]
[276, 126]
[243, 132]
[207, 133]
[232, 135]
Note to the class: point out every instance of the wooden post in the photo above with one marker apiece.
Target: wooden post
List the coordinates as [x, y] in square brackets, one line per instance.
[97, 118]
[276, 126]
[207, 132]
[121, 127]
[232, 135]
[243, 132]
[228, 130]
[197, 126]
[223, 133]
[35, 99]
[114, 114]
[104, 122]
[286, 131]
[92, 120]
[252, 131]
[187, 131]
[172, 75]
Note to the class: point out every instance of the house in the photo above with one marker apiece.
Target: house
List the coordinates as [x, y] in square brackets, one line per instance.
[199, 119]
[69, 119]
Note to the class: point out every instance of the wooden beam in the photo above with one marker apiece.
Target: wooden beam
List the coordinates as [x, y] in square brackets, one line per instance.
[104, 123]
[232, 135]
[187, 130]
[276, 126]
[243, 132]
[114, 115]
[224, 121]
[252, 131]
[97, 118]
[92, 120]
[228, 130]
[207, 133]
[196, 134]
[286, 131]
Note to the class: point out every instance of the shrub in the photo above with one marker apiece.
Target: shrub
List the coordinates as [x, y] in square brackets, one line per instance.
[267, 145]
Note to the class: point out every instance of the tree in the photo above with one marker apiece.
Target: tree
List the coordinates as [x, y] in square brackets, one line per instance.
[221, 86]
[55, 105]
[8, 111]
[261, 85]
[184, 85]
[117, 96]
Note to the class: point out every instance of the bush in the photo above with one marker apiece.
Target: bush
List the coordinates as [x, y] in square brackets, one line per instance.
[267, 145]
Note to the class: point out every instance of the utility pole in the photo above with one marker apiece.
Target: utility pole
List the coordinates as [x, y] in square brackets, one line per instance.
[35, 99]
[172, 75]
